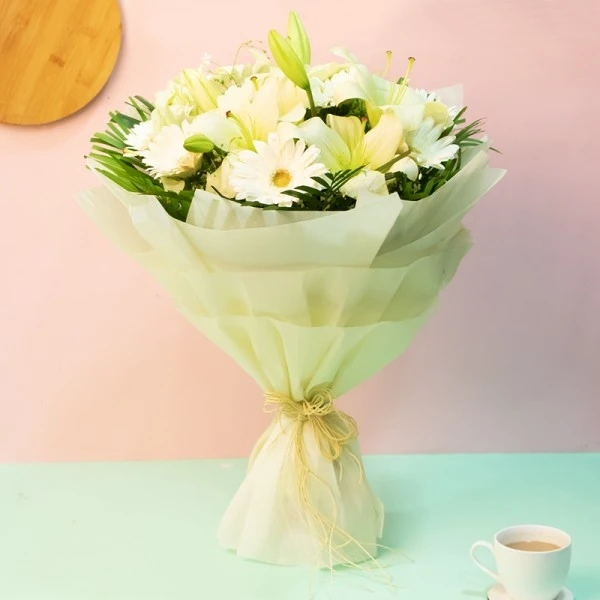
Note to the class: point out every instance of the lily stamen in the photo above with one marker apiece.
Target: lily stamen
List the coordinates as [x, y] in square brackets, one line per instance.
[388, 63]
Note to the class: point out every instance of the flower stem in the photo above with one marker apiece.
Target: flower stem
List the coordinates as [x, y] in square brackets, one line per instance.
[311, 101]
[391, 163]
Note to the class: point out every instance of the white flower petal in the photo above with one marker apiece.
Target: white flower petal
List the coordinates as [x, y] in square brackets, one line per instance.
[295, 115]
[344, 53]
[278, 165]
[410, 115]
[166, 156]
[382, 142]
[220, 130]
[352, 132]
[334, 152]
[139, 137]
[371, 181]
[408, 166]
[172, 185]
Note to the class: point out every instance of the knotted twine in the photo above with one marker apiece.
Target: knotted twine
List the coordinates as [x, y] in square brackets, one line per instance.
[333, 431]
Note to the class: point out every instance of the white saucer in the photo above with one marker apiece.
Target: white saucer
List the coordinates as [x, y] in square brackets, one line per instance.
[497, 592]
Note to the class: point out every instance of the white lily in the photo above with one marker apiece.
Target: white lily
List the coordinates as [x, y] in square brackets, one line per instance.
[202, 90]
[244, 115]
[382, 94]
[171, 108]
[345, 145]
[292, 102]
[409, 105]
[191, 93]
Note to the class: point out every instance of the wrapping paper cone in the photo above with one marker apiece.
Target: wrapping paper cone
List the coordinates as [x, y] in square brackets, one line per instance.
[438, 217]
[310, 305]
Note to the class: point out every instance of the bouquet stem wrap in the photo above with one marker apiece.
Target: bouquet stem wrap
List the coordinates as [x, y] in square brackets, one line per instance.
[332, 516]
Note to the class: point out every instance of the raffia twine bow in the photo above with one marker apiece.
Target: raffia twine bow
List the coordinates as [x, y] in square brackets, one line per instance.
[333, 431]
[333, 428]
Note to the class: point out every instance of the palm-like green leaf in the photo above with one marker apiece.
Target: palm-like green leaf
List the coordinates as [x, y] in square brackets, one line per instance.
[128, 171]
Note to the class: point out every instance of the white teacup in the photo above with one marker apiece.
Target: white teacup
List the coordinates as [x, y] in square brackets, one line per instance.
[536, 567]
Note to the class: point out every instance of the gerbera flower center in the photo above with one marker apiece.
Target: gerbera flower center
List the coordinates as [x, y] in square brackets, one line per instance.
[281, 178]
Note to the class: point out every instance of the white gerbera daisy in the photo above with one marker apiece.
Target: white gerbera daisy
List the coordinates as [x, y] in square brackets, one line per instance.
[427, 149]
[166, 156]
[277, 165]
[139, 137]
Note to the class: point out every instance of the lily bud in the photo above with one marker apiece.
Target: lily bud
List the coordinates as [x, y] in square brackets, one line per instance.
[287, 60]
[199, 144]
[298, 38]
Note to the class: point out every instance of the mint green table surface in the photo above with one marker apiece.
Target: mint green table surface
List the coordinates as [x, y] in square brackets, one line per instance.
[146, 530]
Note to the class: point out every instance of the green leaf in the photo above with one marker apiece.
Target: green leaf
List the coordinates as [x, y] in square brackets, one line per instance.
[145, 102]
[142, 109]
[322, 181]
[108, 140]
[124, 121]
[295, 193]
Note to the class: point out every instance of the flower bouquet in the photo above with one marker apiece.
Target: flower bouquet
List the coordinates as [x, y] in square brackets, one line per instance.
[305, 219]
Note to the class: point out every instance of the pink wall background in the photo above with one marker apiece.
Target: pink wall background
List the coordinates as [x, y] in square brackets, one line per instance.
[95, 363]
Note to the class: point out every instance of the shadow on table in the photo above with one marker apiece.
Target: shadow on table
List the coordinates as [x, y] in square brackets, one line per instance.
[585, 585]
[399, 529]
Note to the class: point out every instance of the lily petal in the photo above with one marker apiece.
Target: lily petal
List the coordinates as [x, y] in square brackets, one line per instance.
[370, 181]
[348, 90]
[408, 166]
[334, 152]
[382, 142]
[344, 53]
[264, 111]
[295, 115]
[172, 185]
[220, 130]
[352, 132]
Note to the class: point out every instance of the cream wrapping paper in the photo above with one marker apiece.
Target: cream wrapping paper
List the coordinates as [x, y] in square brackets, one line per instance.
[302, 300]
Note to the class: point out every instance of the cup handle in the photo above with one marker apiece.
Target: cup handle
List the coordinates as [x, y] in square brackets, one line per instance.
[479, 564]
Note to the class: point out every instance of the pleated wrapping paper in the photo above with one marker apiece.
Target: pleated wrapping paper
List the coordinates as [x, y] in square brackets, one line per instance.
[310, 304]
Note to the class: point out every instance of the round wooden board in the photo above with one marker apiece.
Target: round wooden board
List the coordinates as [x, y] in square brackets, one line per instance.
[55, 56]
